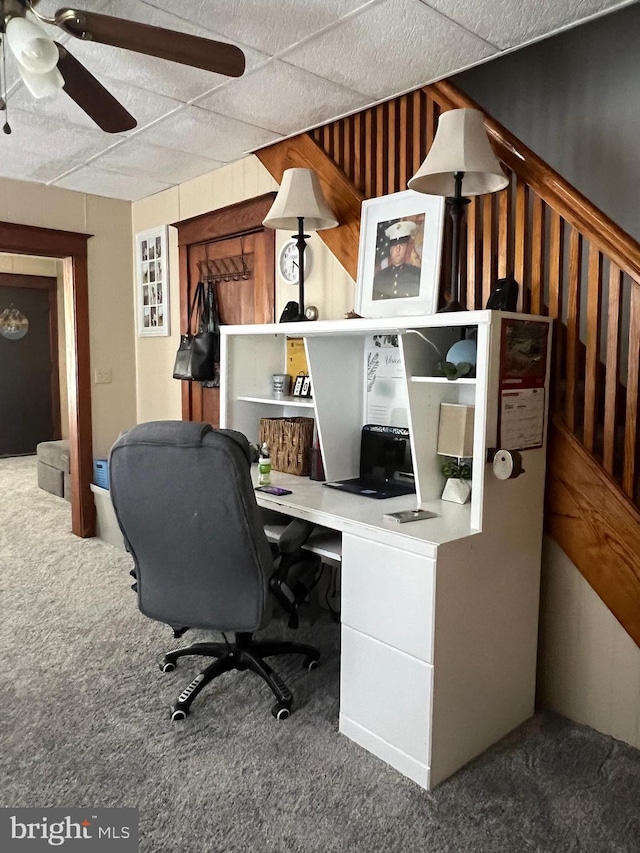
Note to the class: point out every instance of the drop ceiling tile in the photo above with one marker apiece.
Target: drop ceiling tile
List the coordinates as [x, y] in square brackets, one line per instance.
[207, 134]
[508, 23]
[269, 25]
[144, 106]
[48, 147]
[95, 181]
[147, 72]
[135, 157]
[389, 48]
[282, 98]
[50, 7]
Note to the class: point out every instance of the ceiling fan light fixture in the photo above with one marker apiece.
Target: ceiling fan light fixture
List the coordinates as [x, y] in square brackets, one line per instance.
[42, 85]
[31, 46]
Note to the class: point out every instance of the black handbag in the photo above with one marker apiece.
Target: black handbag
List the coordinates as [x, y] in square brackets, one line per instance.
[211, 323]
[197, 354]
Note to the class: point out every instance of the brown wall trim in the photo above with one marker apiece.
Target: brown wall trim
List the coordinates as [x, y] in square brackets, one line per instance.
[72, 247]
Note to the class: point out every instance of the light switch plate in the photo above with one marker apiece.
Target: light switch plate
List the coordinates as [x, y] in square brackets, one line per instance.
[102, 376]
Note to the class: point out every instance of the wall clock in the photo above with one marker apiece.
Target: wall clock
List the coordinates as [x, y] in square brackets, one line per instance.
[288, 261]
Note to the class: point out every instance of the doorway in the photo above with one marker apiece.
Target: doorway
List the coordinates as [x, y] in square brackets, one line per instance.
[71, 247]
[29, 378]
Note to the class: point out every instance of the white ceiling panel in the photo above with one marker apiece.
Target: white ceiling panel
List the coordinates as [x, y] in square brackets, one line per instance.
[51, 147]
[508, 24]
[207, 134]
[95, 181]
[268, 25]
[389, 48]
[25, 165]
[258, 98]
[308, 62]
[135, 157]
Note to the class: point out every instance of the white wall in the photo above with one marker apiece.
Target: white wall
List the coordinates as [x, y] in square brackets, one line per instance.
[328, 285]
[589, 667]
[110, 289]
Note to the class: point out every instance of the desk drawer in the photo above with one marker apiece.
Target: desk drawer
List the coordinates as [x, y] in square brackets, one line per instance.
[389, 595]
[387, 693]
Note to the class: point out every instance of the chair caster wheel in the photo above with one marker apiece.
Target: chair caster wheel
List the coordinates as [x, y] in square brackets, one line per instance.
[310, 663]
[280, 711]
[167, 666]
[178, 714]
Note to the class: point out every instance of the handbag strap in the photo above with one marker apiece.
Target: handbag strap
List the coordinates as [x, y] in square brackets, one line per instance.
[198, 298]
[210, 319]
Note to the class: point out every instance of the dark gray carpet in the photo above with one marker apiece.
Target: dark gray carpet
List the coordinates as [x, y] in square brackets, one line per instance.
[85, 723]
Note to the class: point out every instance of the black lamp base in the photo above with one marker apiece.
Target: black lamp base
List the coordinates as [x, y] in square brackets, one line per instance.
[291, 314]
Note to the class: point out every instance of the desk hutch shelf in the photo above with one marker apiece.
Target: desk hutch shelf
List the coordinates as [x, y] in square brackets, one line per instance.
[439, 617]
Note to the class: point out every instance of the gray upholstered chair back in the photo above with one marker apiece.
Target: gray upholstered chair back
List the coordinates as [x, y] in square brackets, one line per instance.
[185, 503]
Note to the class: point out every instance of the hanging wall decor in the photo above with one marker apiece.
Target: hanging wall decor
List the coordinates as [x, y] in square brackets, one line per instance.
[152, 270]
[13, 324]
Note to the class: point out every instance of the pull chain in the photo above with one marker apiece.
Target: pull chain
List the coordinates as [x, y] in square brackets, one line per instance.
[6, 128]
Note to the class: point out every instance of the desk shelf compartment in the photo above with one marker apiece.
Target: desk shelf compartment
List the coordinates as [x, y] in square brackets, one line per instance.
[248, 363]
[288, 402]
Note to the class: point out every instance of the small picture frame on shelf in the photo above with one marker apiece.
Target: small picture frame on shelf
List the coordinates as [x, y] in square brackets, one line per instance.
[306, 387]
[297, 385]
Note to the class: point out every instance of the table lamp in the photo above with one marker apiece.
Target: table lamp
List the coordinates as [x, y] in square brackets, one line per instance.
[460, 163]
[300, 204]
[455, 440]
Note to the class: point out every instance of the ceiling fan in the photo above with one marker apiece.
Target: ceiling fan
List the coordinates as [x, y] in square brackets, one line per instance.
[46, 66]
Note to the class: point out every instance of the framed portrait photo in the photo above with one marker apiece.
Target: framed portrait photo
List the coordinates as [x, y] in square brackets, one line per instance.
[399, 255]
[152, 282]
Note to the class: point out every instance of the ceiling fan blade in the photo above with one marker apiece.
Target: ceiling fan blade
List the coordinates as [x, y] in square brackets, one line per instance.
[91, 96]
[216, 56]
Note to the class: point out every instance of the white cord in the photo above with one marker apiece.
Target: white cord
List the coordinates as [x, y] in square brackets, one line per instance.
[425, 338]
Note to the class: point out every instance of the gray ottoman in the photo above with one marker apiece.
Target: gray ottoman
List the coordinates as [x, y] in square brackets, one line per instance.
[53, 467]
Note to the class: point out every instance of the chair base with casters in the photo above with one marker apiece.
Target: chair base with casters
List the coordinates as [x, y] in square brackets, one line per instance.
[245, 653]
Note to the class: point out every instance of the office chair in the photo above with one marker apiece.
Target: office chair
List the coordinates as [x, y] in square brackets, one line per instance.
[186, 506]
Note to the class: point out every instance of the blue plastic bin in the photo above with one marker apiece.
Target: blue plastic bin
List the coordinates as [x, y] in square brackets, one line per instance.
[101, 473]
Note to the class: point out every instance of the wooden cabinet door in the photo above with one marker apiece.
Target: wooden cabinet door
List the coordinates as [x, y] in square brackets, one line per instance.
[215, 237]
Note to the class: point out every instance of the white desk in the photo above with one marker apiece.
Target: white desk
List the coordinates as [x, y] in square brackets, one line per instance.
[438, 617]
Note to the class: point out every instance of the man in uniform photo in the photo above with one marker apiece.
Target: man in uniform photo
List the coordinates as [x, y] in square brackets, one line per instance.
[399, 279]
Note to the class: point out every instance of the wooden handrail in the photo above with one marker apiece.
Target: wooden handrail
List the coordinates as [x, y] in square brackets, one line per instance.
[575, 208]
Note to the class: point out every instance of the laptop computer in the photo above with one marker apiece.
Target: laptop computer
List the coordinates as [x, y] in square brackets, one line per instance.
[386, 467]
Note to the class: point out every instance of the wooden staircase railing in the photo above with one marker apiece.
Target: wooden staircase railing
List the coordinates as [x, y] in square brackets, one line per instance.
[573, 264]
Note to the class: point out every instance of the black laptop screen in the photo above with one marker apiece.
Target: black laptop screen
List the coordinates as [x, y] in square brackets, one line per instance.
[385, 453]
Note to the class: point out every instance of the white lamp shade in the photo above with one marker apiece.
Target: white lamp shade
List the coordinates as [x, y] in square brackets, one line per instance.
[42, 85]
[300, 196]
[461, 144]
[455, 430]
[31, 46]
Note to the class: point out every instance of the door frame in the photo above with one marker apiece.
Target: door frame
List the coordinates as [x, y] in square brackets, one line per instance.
[235, 220]
[44, 282]
[71, 247]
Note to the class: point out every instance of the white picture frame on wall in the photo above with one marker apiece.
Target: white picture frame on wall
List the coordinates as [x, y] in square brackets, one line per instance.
[413, 222]
[152, 282]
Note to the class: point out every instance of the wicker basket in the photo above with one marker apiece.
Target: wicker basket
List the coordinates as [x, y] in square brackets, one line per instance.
[289, 441]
